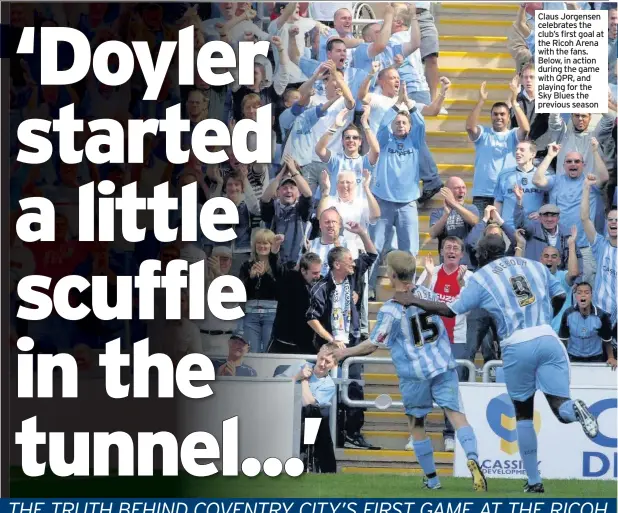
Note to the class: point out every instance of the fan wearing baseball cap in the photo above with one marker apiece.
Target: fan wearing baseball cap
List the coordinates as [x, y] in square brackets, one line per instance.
[233, 366]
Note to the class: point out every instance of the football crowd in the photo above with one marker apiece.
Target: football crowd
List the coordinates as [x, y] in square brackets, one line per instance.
[350, 173]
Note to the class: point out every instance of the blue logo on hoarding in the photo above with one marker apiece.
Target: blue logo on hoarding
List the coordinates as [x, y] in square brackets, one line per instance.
[597, 464]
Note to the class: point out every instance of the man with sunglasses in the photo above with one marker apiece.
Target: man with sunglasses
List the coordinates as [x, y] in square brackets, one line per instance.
[566, 193]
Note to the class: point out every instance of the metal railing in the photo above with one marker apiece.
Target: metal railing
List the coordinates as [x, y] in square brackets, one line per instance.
[345, 373]
[492, 364]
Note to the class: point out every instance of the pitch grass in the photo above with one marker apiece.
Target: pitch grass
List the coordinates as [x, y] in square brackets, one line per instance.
[307, 486]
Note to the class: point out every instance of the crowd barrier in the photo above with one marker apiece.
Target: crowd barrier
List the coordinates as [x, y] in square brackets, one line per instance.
[582, 374]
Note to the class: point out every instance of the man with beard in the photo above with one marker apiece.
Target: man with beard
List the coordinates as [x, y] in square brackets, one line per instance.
[518, 178]
[520, 296]
[291, 333]
[455, 218]
[289, 213]
[495, 146]
[566, 193]
[604, 251]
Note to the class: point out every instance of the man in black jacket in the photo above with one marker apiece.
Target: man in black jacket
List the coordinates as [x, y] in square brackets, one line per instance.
[334, 317]
[291, 333]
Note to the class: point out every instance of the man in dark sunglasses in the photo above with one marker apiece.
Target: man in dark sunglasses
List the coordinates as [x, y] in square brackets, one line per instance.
[566, 193]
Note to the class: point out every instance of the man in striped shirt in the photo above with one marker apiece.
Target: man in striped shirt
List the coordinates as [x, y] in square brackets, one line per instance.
[520, 294]
[604, 251]
[426, 369]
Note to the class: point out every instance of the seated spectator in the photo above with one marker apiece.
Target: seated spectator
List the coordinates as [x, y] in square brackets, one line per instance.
[288, 213]
[234, 365]
[318, 393]
[519, 178]
[566, 193]
[291, 333]
[547, 230]
[604, 252]
[550, 257]
[495, 146]
[259, 276]
[586, 329]
[447, 280]
[455, 218]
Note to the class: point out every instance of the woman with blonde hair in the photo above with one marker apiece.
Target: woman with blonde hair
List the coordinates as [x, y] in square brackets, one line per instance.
[259, 276]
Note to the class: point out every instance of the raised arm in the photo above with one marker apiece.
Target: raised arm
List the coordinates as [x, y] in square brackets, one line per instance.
[600, 169]
[288, 10]
[381, 42]
[522, 121]
[325, 200]
[321, 148]
[540, 175]
[414, 44]
[301, 183]
[584, 209]
[372, 141]
[572, 263]
[363, 91]
[374, 207]
[472, 123]
[342, 84]
[433, 109]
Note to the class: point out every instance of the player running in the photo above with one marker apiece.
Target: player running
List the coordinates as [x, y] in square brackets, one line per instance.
[519, 294]
[425, 367]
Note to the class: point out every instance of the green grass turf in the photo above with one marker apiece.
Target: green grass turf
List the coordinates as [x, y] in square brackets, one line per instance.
[306, 486]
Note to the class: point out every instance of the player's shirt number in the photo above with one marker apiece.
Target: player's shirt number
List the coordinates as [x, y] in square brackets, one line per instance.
[424, 330]
[522, 290]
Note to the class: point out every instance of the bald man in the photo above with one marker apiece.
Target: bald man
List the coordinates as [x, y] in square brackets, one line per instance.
[454, 218]
[566, 193]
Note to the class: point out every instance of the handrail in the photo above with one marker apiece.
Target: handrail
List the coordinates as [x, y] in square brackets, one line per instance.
[498, 363]
[345, 371]
[487, 367]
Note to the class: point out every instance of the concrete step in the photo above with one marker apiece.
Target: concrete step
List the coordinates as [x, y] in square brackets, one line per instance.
[464, 171]
[495, 10]
[469, 90]
[451, 123]
[450, 138]
[478, 71]
[397, 440]
[474, 43]
[449, 25]
[404, 459]
[453, 155]
[441, 471]
[474, 59]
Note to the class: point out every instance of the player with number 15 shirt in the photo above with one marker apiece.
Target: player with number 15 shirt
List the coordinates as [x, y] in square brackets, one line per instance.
[421, 352]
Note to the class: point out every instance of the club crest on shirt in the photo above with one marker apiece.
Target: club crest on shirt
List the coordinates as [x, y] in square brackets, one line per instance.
[524, 181]
[447, 288]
